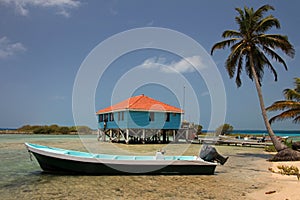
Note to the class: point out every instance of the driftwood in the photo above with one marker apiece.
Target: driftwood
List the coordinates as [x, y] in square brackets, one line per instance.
[286, 155]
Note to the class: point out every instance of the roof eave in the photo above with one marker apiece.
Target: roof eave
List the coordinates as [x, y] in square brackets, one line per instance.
[140, 110]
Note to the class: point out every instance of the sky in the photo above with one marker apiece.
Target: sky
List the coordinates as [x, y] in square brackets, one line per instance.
[47, 46]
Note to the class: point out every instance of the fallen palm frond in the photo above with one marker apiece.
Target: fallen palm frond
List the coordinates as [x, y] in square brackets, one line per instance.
[286, 170]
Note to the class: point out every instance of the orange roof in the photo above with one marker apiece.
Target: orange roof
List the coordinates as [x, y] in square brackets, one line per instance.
[141, 103]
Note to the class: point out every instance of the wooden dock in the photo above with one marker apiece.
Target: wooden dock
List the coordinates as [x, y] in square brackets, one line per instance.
[235, 142]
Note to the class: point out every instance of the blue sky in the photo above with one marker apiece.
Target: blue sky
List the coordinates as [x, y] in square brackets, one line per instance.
[44, 43]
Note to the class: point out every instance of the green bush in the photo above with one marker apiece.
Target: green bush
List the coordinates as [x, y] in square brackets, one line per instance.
[53, 129]
[270, 148]
[224, 129]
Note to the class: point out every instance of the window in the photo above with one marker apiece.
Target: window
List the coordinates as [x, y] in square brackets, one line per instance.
[167, 117]
[105, 117]
[151, 116]
[101, 118]
[111, 117]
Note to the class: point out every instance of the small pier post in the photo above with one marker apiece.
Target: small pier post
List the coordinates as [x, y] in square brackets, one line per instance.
[164, 135]
[127, 136]
[187, 134]
[144, 136]
[174, 135]
[110, 134]
[103, 136]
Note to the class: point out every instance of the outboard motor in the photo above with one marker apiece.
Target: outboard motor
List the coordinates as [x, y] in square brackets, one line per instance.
[210, 154]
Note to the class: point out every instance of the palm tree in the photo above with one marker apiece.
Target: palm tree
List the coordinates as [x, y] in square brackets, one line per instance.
[250, 48]
[290, 106]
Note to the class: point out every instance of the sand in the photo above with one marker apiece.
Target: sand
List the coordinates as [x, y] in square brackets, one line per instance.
[246, 175]
[278, 186]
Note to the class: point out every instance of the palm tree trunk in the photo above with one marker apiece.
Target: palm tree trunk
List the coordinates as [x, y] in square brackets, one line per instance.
[277, 144]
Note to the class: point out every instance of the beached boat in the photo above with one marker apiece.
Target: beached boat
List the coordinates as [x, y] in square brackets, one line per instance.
[56, 160]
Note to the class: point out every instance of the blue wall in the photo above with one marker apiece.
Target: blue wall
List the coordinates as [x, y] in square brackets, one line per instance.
[138, 119]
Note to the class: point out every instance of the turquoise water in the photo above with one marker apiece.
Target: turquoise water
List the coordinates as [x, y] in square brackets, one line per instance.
[281, 133]
[21, 177]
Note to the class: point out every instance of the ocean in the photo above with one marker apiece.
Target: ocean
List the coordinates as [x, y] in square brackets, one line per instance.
[281, 133]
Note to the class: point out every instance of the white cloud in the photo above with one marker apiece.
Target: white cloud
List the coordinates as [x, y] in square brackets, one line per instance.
[182, 66]
[7, 48]
[62, 6]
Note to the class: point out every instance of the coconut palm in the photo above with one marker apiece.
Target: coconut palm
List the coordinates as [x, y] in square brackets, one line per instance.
[290, 106]
[251, 47]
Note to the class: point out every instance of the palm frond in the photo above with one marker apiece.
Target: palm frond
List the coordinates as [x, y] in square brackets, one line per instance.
[297, 84]
[270, 66]
[231, 33]
[259, 63]
[223, 44]
[266, 24]
[277, 41]
[291, 94]
[282, 105]
[241, 17]
[296, 120]
[235, 59]
[292, 113]
[239, 71]
[262, 10]
[275, 56]
[248, 67]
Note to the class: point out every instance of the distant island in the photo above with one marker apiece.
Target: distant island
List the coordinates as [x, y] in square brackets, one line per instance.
[52, 129]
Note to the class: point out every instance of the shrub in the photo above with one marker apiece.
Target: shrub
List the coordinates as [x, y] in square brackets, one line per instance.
[270, 148]
[224, 129]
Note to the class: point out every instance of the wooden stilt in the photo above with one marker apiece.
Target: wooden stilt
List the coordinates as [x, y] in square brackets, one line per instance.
[164, 136]
[103, 136]
[127, 136]
[110, 134]
[118, 135]
[122, 134]
[167, 135]
[144, 136]
[174, 135]
[187, 135]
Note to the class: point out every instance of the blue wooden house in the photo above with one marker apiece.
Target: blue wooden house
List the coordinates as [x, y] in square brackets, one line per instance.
[137, 116]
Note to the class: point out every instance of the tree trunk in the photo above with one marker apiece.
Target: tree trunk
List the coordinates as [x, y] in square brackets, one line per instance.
[277, 144]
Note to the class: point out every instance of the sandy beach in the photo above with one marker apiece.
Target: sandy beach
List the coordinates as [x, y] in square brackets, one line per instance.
[244, 176]
[279, 186]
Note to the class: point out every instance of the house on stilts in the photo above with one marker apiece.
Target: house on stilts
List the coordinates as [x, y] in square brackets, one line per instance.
[140, 119]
